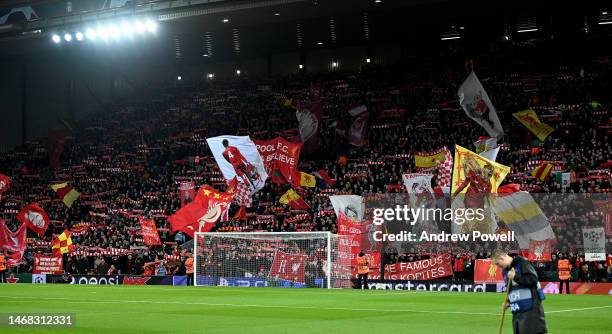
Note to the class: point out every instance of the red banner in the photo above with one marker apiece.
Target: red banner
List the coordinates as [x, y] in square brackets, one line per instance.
[539, 251]
[279, 155]
[202, 214]
[187, 191]
[432, 268]
[149, 231]
[47, 264]
[288, 266]
[578, 288]
[485, 271]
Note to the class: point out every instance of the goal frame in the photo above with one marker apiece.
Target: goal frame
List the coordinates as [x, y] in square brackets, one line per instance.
[326, 234]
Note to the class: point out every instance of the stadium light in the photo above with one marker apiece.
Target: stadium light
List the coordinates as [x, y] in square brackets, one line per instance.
[114, 32]
[449, 38]
[67, 37]
[319, 43]
[211, 76]
[277, 14]
[56, 38]
[139, 27]
[90, 34]
[151, 26]
[127, 29]
[301, 66]
[225, 20]
[605, 22]
[103, 33]
[368, 60]
[79, 36]
[527, 30]
[334, 64]
[237, 72]
[179, 78]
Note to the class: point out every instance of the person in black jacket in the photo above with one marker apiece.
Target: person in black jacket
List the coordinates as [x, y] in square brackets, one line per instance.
[525, 295]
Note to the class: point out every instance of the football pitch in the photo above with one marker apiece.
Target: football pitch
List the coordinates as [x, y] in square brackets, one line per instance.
[159, 309]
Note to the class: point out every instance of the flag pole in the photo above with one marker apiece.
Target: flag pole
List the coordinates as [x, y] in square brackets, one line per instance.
[501, 322]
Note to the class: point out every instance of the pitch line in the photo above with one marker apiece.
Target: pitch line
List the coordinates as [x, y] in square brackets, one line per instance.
[579, 309]
[73, 301]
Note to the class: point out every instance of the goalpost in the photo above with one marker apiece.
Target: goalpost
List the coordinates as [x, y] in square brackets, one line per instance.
[270, 259]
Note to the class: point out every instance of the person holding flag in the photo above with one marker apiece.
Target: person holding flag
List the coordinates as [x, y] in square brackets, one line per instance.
[524, 296]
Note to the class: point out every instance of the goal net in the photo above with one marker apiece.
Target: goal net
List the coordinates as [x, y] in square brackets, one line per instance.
[273, 259]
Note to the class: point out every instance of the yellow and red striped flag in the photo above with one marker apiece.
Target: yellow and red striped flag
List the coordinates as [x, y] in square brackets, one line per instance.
[66, 193]
[294, 200]
[543, 171]
[62, 244]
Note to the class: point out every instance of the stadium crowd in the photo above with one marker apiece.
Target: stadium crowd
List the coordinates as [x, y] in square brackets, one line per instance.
[129, 162]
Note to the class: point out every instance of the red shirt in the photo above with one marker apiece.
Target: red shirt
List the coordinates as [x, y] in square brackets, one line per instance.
[233, 155]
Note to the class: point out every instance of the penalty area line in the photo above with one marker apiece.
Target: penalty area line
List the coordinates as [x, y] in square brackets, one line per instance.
[579, 309]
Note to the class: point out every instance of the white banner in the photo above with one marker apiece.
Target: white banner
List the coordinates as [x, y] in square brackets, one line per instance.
[350, 205]
[594, 244]
[237, 157]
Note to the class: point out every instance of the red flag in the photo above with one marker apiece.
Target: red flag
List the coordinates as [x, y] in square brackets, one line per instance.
[288, 266]
[485, 271]
[5, 183]
[322, 173]
[242, 192]
[358, 131]
[539, 251]
[56, 147]
[35, 218]
[279, 155]
[12, 241]
[187, 190]
[202, 214]
[149, 231]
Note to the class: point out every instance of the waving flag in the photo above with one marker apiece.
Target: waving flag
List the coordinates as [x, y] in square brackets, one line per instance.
[66, 193]
[477, 106]
[12, 241]
[543, 171]
[484, 144]
[522, 215]
[279, 155]
[358, 131]
[309, 120]
[203, 213]
[294, 200]
[62, 244]
[5, 183]
[301, 179]
[187, 190]
[324, 176]
[35, 218]
[350, 205]
[237, 157]
[531, 121]
[357, 109]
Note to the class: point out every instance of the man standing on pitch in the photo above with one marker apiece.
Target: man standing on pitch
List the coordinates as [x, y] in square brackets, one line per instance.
[525, 295]
[363, 268]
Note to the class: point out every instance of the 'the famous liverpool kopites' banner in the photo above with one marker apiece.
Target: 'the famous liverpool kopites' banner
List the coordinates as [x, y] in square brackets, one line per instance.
[432, 268]
[237, 157]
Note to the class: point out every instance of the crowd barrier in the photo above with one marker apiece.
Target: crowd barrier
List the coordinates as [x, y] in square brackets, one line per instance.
[578, 288]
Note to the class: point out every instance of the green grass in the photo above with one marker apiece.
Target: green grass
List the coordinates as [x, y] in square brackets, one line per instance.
[139, 309]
